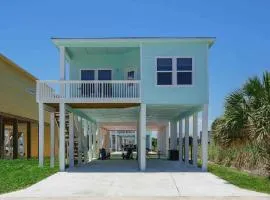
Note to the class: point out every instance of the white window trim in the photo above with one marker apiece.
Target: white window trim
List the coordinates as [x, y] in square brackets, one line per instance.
[96, 72]
[174, 71]
[156, 71]
[192, 71]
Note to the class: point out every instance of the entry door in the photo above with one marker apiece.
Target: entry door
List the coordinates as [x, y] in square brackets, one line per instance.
[87, 89]
[105, 89]
[96, 89]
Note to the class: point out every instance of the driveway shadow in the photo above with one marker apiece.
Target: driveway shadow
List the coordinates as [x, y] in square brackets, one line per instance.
[127, 166]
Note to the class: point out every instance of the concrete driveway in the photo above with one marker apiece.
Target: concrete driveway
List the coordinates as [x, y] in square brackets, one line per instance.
[118, 178]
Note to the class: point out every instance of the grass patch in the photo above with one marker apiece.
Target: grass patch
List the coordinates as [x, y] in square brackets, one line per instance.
[21, 173]
[240, 178]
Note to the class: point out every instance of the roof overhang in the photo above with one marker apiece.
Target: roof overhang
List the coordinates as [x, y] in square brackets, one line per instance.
[17, 67]
[126, 41]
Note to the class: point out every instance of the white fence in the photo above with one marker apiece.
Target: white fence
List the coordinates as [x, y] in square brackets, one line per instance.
[73, 91]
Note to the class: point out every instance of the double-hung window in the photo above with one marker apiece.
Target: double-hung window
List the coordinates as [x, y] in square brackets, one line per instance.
[184, 71]
[164, 71]
[174, 71]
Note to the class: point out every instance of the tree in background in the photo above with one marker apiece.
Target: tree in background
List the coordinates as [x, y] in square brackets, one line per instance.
[246, 121]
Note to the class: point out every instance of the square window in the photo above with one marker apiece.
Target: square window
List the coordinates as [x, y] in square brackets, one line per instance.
[184, 64]
[104, 75]
[87, 75]
[184, 78]
[164, 78]
[164, 64]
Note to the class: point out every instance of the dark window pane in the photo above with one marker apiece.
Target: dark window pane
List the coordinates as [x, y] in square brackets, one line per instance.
[164, 78]
[104, 74]
[184, 63]
[164, 64]
[87, 75]
[184, 78]
[131, 75]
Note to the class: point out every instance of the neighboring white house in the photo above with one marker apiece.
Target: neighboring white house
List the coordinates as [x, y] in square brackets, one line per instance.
[136, 84]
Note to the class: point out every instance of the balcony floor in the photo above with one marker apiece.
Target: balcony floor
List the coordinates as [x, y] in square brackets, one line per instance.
[95, 105]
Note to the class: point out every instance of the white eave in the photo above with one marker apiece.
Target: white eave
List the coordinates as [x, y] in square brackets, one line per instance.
[135, 40]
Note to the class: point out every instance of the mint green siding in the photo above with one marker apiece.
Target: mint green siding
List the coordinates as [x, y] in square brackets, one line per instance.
[118, 62]
[153, 94]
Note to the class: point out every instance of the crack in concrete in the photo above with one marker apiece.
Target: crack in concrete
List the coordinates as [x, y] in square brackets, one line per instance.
[178, 191]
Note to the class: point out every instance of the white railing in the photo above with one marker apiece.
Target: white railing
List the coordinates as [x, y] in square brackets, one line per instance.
[73, 91]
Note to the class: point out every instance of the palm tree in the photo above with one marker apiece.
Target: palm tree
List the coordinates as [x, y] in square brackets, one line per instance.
[258, 94]
[247, 116]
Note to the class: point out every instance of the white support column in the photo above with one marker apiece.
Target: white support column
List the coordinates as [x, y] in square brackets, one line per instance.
[204, 139]
[85, 130]
[90, 154]
[195, 139]
[71, 140]
[116, 141]
[173, 138]
[158, 140]
[187, 140]
[80, 143]
[95, 142]
[150, 141]
[41, 135]
[166, 142]
[62, 113]
[62, 137]
[52, 121]
[111, 141]
[62, 63]
[142, 137]
[135, 138]
[180, 124]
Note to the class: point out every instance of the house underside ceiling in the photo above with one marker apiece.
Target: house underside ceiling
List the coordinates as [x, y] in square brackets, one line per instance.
[157, 116]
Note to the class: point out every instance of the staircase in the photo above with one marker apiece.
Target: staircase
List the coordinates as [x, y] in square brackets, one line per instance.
[76, 152]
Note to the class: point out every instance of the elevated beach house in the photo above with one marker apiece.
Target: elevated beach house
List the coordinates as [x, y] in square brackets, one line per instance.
[137, 84]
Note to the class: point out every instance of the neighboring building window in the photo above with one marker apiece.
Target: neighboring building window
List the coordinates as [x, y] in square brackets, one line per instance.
[184, 71]
[164, 71]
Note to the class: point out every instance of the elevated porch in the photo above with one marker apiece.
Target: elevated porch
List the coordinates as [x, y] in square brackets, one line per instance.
[95, 74]
[76, 91]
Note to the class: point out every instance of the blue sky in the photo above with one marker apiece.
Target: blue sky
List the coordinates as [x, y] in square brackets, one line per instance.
[242, 29]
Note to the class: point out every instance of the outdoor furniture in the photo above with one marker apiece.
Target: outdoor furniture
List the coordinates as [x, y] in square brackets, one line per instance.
[103, 155]
[128, 155]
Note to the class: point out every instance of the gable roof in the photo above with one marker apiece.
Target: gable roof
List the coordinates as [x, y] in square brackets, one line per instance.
[17, 67]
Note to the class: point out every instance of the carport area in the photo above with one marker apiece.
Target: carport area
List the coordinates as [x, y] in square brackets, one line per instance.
[122, 179]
